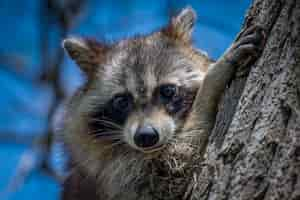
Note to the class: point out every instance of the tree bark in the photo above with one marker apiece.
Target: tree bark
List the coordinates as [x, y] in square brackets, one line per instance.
[254, 149]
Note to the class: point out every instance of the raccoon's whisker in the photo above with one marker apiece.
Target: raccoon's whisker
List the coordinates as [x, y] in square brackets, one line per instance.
[102, 131]
[106, 133]
[107, 147]
[107, 138]
[110, 121]
[101, 134]
[107, 122]
[105, 119]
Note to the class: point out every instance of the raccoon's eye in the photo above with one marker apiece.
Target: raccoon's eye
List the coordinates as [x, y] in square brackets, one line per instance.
[168, 91]
[122, 103]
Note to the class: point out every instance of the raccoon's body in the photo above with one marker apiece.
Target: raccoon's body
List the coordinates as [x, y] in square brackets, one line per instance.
[128, 129]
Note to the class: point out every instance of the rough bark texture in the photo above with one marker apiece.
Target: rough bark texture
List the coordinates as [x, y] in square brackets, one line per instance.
[254, 149]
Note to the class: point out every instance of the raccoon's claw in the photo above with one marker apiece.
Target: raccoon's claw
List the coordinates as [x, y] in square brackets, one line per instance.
[248, 46]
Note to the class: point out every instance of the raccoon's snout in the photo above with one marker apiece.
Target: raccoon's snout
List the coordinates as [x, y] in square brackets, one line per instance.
[146, 136]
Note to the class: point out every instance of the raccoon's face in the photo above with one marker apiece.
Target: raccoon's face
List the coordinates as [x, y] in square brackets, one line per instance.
[139, 91]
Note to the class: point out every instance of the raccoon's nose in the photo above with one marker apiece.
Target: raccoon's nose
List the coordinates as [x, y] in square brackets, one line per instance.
[146, 136]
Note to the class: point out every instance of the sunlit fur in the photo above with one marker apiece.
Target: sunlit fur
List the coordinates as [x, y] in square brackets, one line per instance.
[109, 156]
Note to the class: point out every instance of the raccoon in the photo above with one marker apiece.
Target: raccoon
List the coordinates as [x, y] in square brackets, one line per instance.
[135, 129]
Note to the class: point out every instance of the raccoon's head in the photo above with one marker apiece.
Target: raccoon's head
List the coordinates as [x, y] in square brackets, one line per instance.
[139, 91]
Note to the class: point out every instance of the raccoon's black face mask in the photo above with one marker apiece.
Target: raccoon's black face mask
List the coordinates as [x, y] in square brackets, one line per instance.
[140, 91]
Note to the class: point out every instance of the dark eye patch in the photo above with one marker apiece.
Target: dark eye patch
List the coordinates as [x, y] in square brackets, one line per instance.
[167, 92]
[122, 103]
[119, 107]
[177, 100]
[112, 115]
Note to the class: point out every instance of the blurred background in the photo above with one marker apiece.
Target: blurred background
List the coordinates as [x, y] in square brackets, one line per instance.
[36, 77]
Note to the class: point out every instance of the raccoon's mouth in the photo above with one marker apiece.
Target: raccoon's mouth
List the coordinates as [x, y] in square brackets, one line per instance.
[154, 149]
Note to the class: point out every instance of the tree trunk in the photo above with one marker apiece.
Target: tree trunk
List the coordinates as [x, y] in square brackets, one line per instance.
[254, 149]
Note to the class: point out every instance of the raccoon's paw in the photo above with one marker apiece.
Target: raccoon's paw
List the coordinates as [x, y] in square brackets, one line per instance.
[247, 47]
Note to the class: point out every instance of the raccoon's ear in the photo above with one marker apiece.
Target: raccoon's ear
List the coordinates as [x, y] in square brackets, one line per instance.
[181, 26]
[87, 53]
